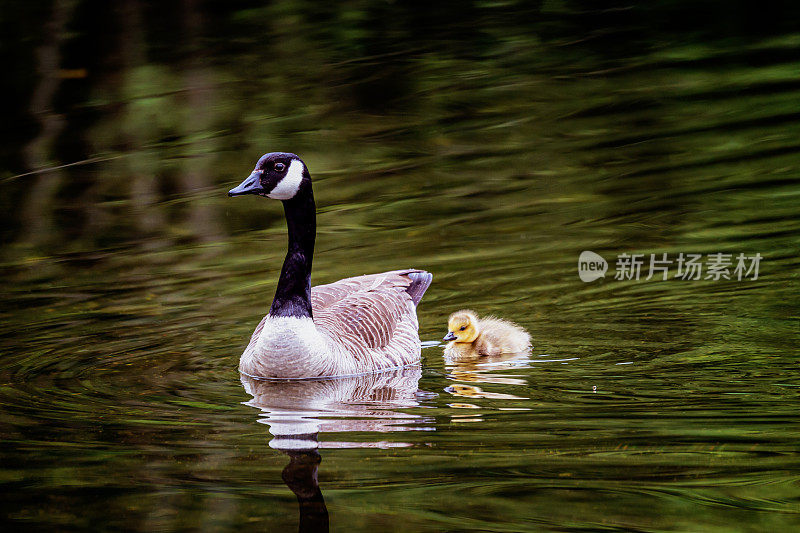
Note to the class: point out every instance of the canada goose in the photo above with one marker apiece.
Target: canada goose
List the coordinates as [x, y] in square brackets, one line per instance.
[485, 336]
[353, 326]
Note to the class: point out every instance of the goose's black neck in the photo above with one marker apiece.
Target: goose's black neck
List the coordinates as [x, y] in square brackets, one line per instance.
[293, 295]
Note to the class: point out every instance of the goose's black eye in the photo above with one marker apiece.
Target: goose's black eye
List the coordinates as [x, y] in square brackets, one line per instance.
[462, 328]
[279, 167]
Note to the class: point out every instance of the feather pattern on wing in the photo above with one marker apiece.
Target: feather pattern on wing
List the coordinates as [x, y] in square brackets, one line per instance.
[373, 316]
[365, 309]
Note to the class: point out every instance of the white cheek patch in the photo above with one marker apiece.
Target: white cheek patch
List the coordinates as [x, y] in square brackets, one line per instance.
[289, 185]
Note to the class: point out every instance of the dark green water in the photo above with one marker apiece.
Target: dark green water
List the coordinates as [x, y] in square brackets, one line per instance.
[645, 405]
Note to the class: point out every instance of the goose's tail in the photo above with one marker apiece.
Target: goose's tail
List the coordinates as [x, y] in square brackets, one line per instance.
[420, 281]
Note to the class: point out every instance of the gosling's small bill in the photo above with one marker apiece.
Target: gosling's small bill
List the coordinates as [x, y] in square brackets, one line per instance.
[487, 336]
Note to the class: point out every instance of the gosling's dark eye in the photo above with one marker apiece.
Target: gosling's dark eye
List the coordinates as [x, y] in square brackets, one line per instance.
[279, 167]
[462, 328]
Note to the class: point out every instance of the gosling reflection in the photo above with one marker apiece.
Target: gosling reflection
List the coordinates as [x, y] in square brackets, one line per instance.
[298, 413]
[466, 366]
[470, 391]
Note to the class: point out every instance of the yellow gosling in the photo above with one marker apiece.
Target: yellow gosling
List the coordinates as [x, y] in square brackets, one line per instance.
[485, 336]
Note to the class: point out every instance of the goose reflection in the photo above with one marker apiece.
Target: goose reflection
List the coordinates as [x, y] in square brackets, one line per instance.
[298, 412]
[300, 475]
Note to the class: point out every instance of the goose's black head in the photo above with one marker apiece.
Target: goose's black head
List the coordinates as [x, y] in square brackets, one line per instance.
[277, 175]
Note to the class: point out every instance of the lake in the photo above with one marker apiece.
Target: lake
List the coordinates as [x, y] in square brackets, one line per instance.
[131, 285]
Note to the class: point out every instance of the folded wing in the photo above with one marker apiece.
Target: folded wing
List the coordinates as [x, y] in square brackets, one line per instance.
[372, 314]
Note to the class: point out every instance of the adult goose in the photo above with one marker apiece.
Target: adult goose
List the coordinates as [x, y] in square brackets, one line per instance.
[353, 326]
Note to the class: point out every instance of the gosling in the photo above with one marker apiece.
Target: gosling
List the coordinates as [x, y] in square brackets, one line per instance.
[487, 336]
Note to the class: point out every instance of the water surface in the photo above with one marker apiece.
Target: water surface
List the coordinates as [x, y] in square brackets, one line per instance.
[645, 405]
